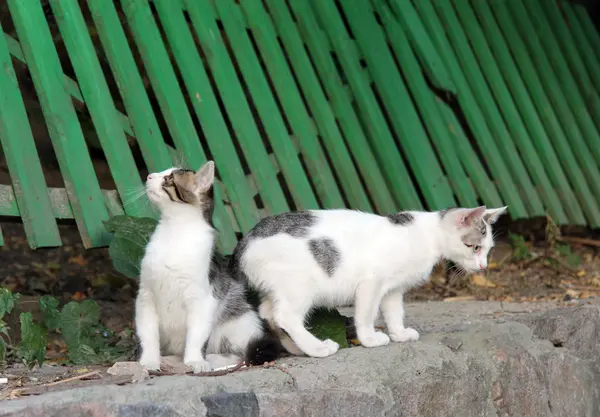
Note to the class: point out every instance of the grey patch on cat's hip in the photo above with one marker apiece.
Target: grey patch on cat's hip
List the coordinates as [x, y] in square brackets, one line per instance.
[402, 219]
[325, 253]
[225, 404]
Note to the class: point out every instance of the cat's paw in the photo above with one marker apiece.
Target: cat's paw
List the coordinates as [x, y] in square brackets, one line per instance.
[404, 334]
[325, 348]
[150, 364]
[374, 339]
[198, 366]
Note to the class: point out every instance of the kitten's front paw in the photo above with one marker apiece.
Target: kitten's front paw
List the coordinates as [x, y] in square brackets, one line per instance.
[375, 339]
[199, 366]
[404, 334]
[151, 364]
[326, 348]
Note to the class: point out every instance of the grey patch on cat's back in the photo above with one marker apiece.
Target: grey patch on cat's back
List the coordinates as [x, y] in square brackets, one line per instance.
[403, 218]
[294, 223]
[325, 253]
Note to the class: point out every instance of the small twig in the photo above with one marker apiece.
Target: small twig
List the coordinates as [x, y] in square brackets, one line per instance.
[580, 240]
[74, 378]
[209, 373]
[43, 387]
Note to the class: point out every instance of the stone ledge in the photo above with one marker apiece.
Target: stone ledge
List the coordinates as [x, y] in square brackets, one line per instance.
[473, 359]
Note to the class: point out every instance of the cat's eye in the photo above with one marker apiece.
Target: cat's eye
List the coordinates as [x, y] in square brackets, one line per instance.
[476, 248]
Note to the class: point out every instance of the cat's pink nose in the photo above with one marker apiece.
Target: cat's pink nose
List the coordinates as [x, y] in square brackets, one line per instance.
[150, 176]
[481, 267]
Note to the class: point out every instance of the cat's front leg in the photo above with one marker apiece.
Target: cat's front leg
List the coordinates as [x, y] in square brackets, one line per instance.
[200, 318]
[146, 324]
[368, 297]
[392, 308]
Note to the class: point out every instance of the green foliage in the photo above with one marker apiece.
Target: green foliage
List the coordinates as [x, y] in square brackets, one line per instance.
[328, 324]
[49, 307]
[520, 248]
[131, 234]
[8, 300]
[572, 258]
[34, 337]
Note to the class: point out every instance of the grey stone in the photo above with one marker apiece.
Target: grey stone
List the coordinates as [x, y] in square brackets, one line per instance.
[473, 360]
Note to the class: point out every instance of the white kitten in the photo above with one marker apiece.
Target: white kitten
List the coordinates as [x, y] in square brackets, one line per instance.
[188, 303]
[330, 258]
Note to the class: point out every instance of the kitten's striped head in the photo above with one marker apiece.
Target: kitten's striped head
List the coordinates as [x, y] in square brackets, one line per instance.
[177, 186]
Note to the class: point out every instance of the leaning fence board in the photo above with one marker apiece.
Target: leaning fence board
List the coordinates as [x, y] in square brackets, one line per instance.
[207, 109]
[131, 86]
[22, 159]
[584, 21]
[63, 126]
[558, 25]
[97, 97]
[324, 112]
[541, 168]
[488, 106]
[547, 75]
[426, 104]
[544, 108]
[382, 142]
[171, 101]
[472, 112]
[404, 118]
[272, 119]
[291, 100]
[533, 13]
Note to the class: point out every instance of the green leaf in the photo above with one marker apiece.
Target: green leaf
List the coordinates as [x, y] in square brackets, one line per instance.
[83, 355]
[329, 324]
[33, 340]
[520, 248]
[8, 300]
[76, 321]
[131, 235]
[49, 307]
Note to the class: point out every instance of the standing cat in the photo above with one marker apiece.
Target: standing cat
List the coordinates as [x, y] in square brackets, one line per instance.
[330, 258]
[188, 303]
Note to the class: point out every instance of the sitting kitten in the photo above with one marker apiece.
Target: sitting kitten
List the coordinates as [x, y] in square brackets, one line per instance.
[330, 258]
[188, 303]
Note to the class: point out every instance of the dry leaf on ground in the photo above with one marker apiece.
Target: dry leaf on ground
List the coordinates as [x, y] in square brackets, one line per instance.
[482, 281]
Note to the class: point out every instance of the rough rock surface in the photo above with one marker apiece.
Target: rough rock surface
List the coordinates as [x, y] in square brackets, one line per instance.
[473, 359]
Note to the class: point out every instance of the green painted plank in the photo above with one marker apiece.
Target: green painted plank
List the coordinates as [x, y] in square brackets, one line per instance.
[323, 111]
[488, 106]
[404, 118]
[338, 100]
[423, 46]
[63, 126]
[523, 101]
[427, 106]
[533, 143]
[568, 86]
[207, 109]
[538, 95]
[382, 142]
[473, 114]
[283, 148]
[248, 136]
[514, 122]
[131, 86]
[584, 21]
[295, 110]
[567, 43]
[22, 159]
[99, 102]
[557, 95]
[585, 41]
[171, 101]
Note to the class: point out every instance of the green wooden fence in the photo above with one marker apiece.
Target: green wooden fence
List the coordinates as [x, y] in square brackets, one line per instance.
[377, 105]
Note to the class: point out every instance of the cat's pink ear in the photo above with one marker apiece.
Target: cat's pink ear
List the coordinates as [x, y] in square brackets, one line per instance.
[491, 215]
[205, 177]
[466, 217]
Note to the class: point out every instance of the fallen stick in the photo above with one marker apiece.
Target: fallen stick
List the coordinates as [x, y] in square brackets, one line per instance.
[209, 373]
[580, 240]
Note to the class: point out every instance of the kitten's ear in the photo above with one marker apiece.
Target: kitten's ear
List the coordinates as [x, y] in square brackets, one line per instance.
[205, 177]
[466, 217]
[491, 215]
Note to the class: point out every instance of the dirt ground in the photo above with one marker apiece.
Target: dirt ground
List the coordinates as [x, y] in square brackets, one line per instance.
[73, 273]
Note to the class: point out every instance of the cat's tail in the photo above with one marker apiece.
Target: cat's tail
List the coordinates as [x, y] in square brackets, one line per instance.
[265, 348]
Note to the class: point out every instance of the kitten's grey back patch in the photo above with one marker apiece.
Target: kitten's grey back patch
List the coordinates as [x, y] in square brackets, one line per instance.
[325, 253]
[402, 219]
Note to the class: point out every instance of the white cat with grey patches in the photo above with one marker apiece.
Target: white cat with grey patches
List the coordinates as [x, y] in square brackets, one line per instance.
[188, 303]
[329, 258]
